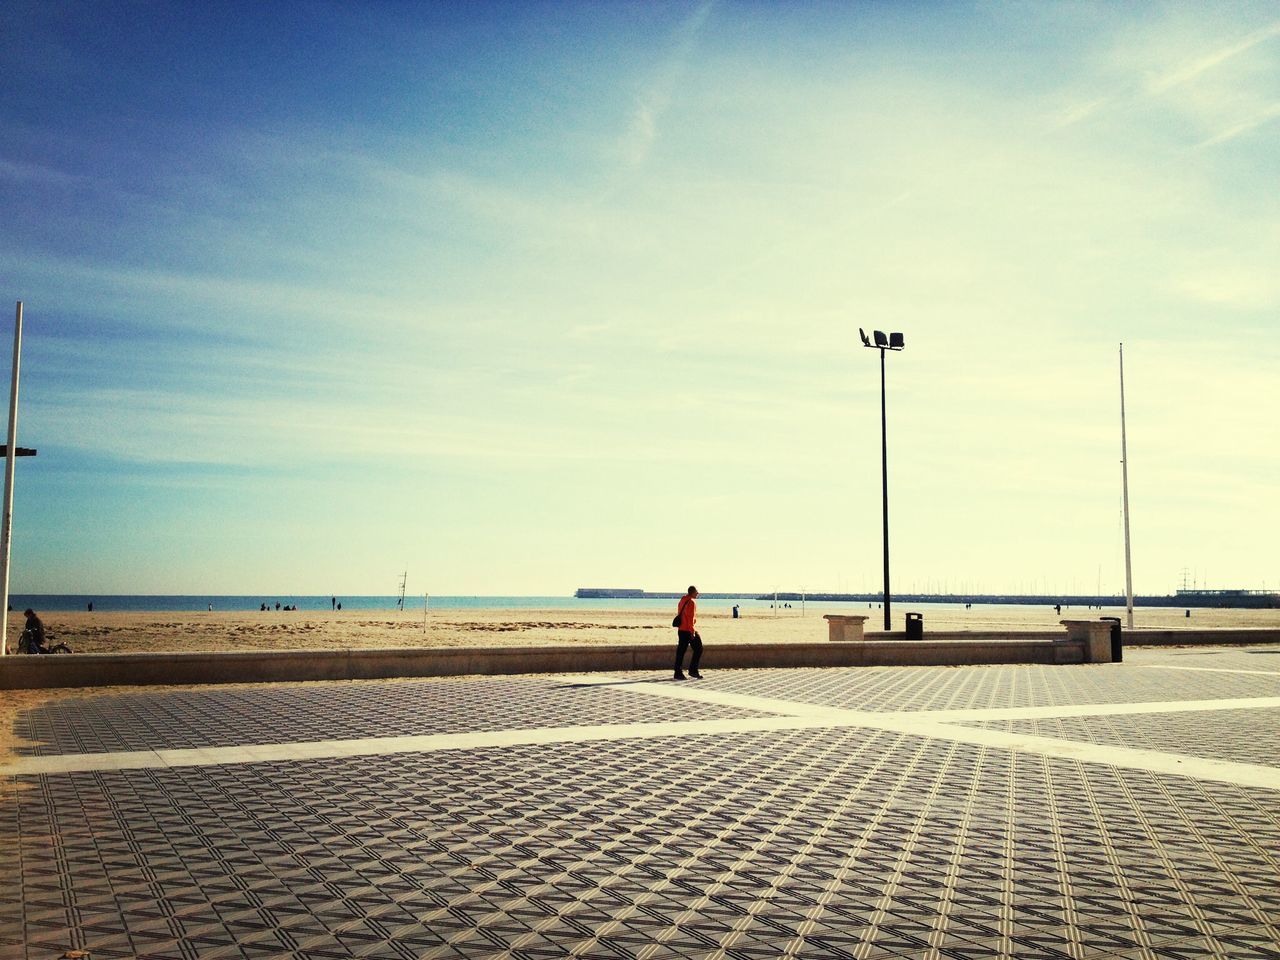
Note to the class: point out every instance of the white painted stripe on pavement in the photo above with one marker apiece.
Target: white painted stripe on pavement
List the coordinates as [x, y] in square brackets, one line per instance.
[788, 715]
[1177, 666]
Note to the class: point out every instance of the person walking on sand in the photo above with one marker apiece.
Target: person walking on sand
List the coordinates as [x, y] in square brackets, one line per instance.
[687, 625]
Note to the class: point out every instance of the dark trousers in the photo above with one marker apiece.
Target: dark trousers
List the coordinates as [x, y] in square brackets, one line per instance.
[688, 640]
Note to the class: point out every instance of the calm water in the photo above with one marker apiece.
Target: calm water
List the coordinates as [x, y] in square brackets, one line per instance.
[180, 604]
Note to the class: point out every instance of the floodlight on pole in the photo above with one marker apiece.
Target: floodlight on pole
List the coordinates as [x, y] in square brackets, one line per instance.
[893, 341]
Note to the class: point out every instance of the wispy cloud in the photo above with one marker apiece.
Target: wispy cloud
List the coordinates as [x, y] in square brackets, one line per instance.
[1207, 88]
[1231, 285]
[22, 172]
[1264, 116]
[1200, 65]
[1078, 112]
[652, 102]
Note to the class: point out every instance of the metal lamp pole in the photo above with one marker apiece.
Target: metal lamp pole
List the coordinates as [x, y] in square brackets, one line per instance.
[882, 343]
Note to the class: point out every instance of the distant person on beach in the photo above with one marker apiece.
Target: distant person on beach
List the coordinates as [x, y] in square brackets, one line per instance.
[91, 606]
[687, 635]
[339, 606]
[333, 603]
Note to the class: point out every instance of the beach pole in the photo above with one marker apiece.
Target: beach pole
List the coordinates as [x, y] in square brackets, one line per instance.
[11, 451]
[893, 341]
[884, 492]
[1124, 469]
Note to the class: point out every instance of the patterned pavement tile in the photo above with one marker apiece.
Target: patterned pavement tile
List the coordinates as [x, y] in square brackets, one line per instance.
[993, 687]
[843, 841]
[213, 717]
[1245, 735]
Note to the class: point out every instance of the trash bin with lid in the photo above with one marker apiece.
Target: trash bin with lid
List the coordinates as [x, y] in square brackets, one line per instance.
[915, 626]
[1117, 640]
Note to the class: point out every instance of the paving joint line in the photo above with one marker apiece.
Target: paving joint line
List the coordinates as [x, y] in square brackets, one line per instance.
[944, 725]
[1178, 666]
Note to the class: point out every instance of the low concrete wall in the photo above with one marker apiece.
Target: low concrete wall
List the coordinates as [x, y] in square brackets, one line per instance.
[257, 666]
[1200, 638]
[94, 670]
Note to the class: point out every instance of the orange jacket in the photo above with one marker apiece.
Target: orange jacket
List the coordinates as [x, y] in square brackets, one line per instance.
[688, 614]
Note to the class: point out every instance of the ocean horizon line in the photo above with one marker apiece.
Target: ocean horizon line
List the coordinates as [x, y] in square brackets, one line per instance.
[258, 602]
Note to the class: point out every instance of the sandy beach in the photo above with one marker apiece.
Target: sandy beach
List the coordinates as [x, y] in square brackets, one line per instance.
[109, 632]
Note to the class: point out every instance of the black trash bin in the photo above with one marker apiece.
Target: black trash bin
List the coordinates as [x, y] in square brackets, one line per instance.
[915, 626]
[1117, 640]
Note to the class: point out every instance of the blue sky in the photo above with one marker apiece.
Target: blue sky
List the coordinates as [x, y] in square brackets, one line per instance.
[522, 297]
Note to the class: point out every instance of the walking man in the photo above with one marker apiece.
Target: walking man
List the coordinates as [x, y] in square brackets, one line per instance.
[687, 620]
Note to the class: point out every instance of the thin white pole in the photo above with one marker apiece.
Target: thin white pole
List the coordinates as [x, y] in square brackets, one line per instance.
[6, 526]
[1124, 466]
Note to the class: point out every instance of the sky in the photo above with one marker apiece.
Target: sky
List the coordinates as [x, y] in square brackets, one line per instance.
[521, 297]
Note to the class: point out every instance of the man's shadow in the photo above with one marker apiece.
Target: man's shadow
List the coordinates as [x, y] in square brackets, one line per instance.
[611, 683]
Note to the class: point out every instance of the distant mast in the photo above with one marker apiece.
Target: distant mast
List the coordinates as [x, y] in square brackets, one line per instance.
[1124, 472]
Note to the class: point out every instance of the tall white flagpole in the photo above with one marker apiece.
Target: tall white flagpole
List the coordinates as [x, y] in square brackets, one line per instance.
[6, 525]
[1124, 467]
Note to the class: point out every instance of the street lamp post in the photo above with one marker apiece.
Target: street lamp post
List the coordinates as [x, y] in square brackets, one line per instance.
[882, 343]
[9, 451]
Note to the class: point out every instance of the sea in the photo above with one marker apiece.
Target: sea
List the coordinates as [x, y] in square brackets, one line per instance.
[188, 603]
[155, 603]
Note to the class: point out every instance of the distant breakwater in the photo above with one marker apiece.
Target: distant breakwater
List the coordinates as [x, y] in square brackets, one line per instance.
[1219, 599]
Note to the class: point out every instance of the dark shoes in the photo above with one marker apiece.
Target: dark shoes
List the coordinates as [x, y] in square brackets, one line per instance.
[678, 676]
[695, 674]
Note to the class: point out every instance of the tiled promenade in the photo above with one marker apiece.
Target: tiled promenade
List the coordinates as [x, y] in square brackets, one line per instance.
[1117, 810]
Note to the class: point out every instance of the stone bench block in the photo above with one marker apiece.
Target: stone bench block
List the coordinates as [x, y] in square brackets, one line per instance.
[844, 628]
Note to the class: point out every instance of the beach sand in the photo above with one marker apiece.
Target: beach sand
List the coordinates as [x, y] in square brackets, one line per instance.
[109, 632]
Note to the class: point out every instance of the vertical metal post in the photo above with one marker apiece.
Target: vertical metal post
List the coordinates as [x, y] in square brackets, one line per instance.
[884, 488]
[6, 525]
[1124, 467]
